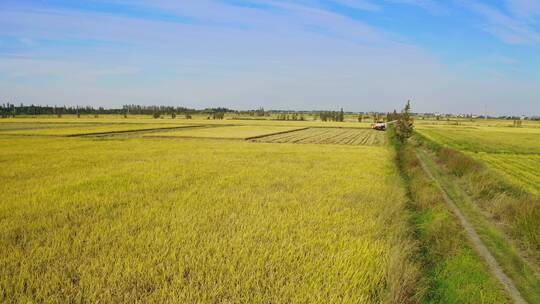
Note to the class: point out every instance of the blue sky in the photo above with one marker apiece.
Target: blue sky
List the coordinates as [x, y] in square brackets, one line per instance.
[363, 55]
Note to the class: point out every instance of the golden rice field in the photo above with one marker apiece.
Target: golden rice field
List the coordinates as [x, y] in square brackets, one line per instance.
[329, 136]
[131, 219]
[231, 132]
[84, 129]
[204, 211]
[196, 120]
[20, 126]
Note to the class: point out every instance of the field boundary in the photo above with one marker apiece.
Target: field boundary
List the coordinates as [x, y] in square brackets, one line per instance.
[132, 131]
[475, 240]
[194, 137]
[277, 133]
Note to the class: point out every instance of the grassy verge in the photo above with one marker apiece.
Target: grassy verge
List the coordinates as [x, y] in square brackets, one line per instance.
[506, 255]
[453, 272]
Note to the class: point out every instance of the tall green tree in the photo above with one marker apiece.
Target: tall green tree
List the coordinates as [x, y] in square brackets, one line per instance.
[405, 123]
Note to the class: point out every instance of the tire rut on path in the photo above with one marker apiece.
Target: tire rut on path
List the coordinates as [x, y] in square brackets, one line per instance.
[475, 240]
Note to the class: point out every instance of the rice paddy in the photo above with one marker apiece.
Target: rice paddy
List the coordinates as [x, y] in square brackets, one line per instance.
[337, 136]
[486, 139]
[522, 170]
[198, 211]
[84, 129]
[133, 219]
[225, 132]
[512, 152]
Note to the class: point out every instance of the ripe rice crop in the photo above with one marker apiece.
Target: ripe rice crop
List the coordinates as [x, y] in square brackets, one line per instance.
[336, 136]
[17, 126]
[200, 221]
[233, 132]
[85, 129]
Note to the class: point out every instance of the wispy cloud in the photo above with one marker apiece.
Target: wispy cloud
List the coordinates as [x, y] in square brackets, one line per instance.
[430, 5]
[511, 29]
[526, 9]
[360, 4]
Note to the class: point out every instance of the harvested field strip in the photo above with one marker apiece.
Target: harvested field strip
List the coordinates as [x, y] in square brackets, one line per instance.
[317, 137]
[337, 136]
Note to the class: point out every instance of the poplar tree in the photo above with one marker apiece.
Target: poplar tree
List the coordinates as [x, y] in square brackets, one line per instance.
[405, 123]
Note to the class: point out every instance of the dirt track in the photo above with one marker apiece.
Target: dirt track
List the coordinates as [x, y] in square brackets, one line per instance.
[475, 240]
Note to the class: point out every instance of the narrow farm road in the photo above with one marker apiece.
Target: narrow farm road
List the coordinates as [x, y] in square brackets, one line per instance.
[475, 240]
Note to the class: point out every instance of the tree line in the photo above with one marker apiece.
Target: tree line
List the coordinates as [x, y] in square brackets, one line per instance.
[332, 116]
[12, 110]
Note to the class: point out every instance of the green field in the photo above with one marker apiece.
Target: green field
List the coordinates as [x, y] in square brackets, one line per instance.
[512, 152]
[522, 170]
[486, 139]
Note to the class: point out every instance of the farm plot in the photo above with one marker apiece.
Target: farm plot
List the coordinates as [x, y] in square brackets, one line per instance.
[200, 221]
[519, 169]
[18, 126]
[514, 153]
[337, 136]
[92, 129]
[226, 132]
[485, 139]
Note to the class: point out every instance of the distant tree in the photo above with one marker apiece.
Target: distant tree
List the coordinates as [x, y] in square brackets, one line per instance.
[392, 116]
[218, 115]
[173, 115]
[156, 114]
[360, 118]
[188, 116]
